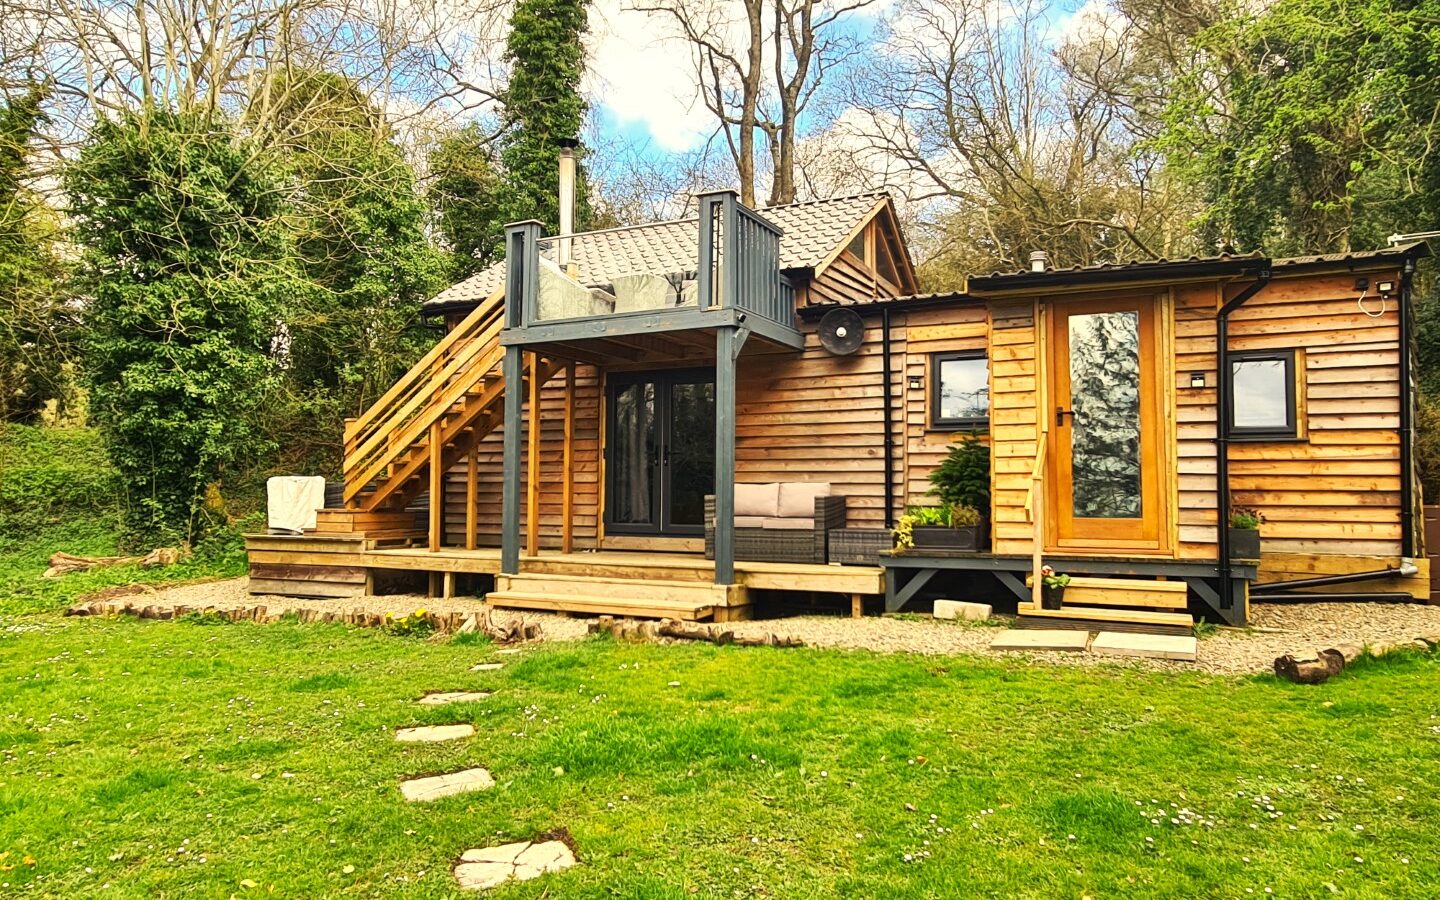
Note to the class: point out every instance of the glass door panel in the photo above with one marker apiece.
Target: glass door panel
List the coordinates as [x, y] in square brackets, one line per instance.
[634, 457]
[1105, 415]
[689, 455]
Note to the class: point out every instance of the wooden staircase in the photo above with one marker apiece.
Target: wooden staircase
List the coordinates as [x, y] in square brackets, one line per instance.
[431, 418]
[1130, 604]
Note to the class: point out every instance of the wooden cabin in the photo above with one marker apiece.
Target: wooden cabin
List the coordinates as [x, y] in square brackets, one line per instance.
[609, 413]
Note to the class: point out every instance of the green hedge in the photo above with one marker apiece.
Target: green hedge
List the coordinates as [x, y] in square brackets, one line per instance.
[54, 476]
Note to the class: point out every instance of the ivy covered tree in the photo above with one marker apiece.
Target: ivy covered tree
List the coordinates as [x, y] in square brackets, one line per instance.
[187, 265]
[1311, 124]
[543, 108]
[36, 324]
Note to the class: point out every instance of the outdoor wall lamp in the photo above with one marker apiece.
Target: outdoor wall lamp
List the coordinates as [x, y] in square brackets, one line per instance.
[915, 383]
[1197, 379]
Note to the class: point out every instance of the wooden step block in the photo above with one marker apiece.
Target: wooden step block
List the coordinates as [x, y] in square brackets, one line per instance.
[598, 605]
[346, 521]
[1101, 614]
[648, 589]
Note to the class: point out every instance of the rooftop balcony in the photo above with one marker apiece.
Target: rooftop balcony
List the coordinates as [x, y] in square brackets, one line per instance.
[652, 316]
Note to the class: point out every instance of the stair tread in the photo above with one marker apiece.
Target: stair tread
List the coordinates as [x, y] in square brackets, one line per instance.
[1116, 615]
[585, 603]
[599, 580]
[1128, 584]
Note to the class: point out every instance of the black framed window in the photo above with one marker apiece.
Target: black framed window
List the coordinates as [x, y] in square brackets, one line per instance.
[1262, 394]
[960, 389]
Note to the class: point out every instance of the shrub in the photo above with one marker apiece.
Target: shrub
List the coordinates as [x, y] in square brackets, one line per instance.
[963, 479]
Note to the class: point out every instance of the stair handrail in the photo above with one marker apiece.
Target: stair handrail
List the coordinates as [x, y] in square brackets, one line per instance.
[389, 425]
[467, 326]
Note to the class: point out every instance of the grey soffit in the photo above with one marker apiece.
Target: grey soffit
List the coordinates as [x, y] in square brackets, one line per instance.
[812, 230]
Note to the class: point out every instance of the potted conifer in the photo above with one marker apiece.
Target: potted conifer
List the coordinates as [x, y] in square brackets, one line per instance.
[962, 482]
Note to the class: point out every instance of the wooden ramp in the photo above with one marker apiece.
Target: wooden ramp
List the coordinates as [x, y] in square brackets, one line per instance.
[1131, 604]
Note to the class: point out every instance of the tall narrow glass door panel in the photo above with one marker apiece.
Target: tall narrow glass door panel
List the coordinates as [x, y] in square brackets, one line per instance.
[634, 455]
[1105, 423]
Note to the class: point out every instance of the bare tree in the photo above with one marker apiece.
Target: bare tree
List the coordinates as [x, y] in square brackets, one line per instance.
[410, 58]
[1015, 154]
[760, 65]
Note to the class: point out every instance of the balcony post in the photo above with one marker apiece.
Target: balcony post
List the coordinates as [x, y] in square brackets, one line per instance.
[522, 273]
[522, 265]
[727, 348]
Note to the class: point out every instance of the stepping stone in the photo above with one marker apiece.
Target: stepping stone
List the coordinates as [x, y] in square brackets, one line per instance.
[440, 698]
[1146, 646]
[419, 790]
[493, 866]
[1061, 639]
[434, 733]
[487, 667]
[960, 609]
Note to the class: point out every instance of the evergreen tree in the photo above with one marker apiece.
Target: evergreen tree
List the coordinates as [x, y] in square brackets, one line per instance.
[35, 322]
[187, 265]
[466, 192]
[359, 232]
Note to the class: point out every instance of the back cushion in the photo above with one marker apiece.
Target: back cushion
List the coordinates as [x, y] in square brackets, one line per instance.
[757, 499]
[797, 498]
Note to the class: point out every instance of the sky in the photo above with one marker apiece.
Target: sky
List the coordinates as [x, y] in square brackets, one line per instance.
[641, 80]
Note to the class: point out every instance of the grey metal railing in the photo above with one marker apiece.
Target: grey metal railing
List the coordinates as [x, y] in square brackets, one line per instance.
[739, 261]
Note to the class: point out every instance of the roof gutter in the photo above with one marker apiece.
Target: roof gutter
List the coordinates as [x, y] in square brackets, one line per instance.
[1069, 278]
[1222, 432]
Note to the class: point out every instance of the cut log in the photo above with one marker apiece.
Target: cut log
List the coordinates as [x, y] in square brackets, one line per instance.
[1308, 666]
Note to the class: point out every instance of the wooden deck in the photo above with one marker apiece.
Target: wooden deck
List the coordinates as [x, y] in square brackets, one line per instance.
[620, 582]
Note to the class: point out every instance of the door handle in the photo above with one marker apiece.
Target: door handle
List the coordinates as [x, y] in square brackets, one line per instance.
[1060, 414]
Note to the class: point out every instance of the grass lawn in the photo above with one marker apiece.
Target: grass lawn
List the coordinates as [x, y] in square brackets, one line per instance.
[264, 753]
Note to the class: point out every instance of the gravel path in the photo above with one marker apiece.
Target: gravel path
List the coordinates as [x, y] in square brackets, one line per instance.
[1277, 629]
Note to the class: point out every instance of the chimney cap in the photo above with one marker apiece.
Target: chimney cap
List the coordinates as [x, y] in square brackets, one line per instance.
[570, 144]
[1039, 260]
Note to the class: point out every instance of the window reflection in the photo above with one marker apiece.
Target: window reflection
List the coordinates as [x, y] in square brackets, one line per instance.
[962, 390]
[1261, 395]
[1105, 427]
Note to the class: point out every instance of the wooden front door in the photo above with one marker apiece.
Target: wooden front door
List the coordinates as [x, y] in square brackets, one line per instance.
[1106, 451]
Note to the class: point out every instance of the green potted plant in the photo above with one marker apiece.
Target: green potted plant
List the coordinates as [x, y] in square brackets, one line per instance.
[962, 482]
[941, 527]
[1245, 533]
[1052, 587]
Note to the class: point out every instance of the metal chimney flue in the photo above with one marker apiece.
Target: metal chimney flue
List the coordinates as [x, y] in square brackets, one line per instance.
[1039, 261]
[567, 202]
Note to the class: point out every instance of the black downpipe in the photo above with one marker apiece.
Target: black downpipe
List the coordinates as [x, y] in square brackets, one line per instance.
[1222, 431]
[1407, 423]
[886, 404]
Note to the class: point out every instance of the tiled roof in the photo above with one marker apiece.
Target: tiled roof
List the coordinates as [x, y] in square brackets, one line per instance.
[812, 230]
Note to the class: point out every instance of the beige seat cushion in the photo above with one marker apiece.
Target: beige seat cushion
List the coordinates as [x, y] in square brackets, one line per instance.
[797, 498]
[786, 523]
[749, 521]
[758, 500]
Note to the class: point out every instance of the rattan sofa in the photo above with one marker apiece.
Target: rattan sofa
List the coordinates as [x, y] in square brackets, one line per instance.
[780, 522]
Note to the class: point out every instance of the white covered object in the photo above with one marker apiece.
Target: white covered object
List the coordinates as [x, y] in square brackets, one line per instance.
[292, 501]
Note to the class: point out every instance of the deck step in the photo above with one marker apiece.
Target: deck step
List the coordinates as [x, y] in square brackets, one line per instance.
[615, 606]
[647, 590]
[1129, 592]
[1103, 614]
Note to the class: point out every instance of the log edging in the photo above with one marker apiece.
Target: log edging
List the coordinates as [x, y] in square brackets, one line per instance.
[1319, 665]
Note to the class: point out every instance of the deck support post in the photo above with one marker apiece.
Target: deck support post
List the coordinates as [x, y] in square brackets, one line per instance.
[727, 348]
[436, 527]
[532, 465]
[567, 478]
[472, 491]
[511, 485]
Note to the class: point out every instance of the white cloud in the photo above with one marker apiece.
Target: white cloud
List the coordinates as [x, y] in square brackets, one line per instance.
[641, 74]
